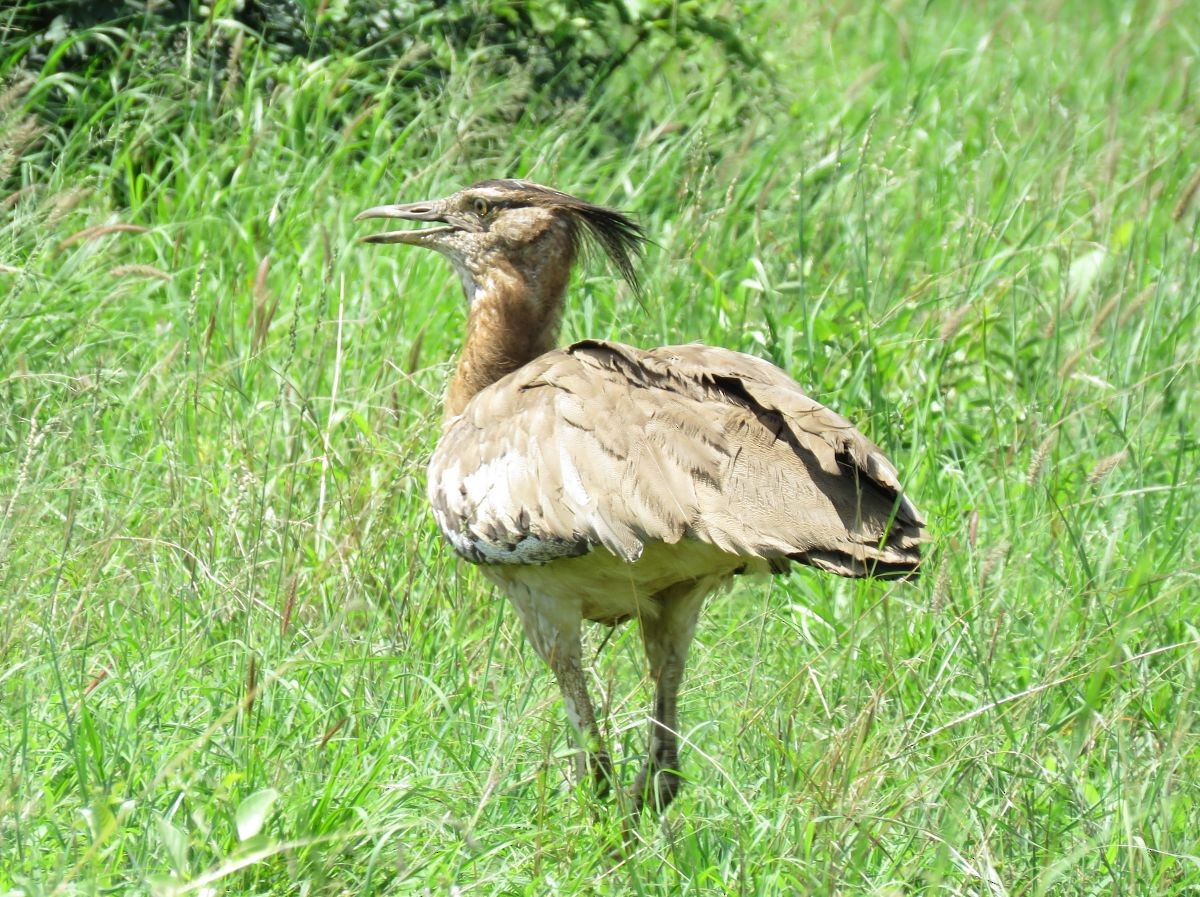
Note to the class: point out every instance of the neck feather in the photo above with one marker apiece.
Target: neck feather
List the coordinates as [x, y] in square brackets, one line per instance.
[514, 318]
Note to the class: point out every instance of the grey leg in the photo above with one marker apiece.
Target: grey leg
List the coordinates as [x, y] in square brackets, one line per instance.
[593, 761]
[553, 628]
[666, 639]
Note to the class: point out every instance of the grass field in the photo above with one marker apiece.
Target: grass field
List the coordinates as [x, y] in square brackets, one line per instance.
[236, 658]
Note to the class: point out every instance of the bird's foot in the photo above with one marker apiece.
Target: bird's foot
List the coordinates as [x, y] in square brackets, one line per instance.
[655, 788]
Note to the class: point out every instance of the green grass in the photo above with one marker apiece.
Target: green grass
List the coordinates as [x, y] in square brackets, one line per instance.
[972, 232]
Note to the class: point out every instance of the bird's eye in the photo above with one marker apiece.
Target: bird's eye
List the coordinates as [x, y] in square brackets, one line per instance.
[481, 207]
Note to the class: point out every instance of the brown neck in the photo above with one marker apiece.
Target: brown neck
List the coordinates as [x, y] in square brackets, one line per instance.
[513, 320]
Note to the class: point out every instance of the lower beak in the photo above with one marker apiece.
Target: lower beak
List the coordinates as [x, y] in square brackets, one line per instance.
[416, 211]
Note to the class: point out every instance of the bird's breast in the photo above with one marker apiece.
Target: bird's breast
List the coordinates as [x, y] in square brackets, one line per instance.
[486, 510]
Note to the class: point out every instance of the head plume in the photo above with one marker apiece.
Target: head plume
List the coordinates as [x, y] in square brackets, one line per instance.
[617, 235]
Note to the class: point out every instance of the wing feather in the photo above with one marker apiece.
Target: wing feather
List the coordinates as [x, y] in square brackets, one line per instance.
[604, 444]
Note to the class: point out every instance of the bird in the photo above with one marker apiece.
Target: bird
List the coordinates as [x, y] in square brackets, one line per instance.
[599, 481]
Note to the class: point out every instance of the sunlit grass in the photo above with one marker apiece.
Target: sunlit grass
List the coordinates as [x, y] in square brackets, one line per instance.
[236, 656]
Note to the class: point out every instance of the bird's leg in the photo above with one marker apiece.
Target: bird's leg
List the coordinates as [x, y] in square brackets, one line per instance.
[666, 639]
[593, 762]
[553, 627]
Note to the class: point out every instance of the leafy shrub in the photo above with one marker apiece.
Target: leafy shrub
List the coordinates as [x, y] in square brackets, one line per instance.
[565, 45]
[108, 65]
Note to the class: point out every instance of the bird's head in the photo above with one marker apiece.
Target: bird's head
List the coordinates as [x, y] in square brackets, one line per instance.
[529, 229]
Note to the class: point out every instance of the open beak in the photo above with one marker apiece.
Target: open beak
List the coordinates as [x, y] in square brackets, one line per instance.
[413, 211]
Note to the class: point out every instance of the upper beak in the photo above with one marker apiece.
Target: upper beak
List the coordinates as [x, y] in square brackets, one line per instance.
[413, 211]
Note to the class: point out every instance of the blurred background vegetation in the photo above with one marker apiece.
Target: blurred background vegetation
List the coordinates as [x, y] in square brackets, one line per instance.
[236, 658]
[563, 51]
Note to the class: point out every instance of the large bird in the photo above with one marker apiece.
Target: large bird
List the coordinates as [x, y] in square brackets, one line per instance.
[604, 482]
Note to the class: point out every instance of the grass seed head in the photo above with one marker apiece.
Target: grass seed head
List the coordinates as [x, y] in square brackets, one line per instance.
[1105, 466]
[1038, 461]
[148, 271]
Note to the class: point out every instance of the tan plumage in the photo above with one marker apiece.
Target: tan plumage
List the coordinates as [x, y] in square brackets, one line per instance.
[605, 444]
[606, 482]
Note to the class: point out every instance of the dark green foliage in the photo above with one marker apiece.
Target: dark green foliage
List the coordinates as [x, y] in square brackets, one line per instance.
[86, 56]
[565, 47]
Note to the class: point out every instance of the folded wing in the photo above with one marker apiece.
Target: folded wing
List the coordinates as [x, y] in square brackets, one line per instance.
[602, 444]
